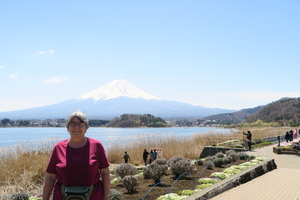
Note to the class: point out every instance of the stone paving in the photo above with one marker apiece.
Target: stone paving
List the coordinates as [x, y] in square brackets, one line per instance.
[282, 183]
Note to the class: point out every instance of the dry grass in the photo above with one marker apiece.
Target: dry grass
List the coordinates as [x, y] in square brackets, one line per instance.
[22, 166]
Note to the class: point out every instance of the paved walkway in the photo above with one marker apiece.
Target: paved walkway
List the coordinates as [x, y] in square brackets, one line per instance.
[282, 183]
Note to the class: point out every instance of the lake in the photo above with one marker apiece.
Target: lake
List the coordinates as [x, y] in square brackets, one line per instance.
[12, 136]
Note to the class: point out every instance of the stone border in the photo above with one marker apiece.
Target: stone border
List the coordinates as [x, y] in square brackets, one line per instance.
[212, 150]
[235, 180]
[285, 151]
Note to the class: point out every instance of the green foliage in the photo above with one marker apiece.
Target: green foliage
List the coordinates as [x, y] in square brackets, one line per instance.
[134, 120]
[125, 169]
[5, 121]
[208, 180]
[258, 123]
[202, 186]
[261, 144]
[187, 192]
[97, 122]
[130, 182]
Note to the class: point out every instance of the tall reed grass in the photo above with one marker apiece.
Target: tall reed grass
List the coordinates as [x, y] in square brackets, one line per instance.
[22, 166]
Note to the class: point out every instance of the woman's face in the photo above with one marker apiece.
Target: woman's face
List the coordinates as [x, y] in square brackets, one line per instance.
[76, 128]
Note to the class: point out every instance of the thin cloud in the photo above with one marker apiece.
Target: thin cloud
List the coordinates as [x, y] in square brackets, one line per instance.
[56, 80]
[42, 52]
[1, 67]
[14, 76]
[51, 51]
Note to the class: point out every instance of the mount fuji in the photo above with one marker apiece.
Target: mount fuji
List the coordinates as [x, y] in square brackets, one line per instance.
[112, 100]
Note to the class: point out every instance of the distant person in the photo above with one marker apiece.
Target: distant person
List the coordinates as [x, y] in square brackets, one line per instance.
[151, 157]
[248, 139]
[295, 134]
[291, 133]
[154, 154]
[145, 156]
[126, 157]
[287, 136]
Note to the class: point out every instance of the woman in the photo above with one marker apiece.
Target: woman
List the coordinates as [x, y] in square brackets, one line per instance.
[78, 161]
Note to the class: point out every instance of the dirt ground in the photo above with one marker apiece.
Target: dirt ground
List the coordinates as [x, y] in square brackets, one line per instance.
[144, 185]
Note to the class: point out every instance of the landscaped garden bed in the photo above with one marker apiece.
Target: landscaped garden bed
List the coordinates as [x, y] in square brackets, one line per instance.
[200, 178]
[292, 147]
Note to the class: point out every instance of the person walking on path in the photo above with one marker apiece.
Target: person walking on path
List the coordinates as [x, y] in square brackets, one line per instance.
[248, 139]
[291, 135]
[287, 137]
[154, 154]
[295, 134]
[151, 157]
[145, 156]
[126, 157]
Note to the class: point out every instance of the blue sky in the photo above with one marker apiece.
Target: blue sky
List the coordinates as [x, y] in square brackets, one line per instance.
[224, 54]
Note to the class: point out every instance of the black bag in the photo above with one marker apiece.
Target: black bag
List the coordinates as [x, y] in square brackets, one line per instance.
[76, 193]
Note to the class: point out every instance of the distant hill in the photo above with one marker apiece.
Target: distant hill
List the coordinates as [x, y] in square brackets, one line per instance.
[234, 117]
[131, 120]
[283, 110]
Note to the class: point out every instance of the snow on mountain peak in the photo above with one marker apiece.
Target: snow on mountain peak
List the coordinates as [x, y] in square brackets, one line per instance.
[117, 88]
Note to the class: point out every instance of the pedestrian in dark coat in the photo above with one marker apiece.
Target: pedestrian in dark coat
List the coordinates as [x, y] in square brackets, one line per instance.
[145, 156]
[248, 139]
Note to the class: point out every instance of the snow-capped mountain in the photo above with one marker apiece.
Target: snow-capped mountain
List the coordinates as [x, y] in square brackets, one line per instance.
[117, 88]
[112, 100]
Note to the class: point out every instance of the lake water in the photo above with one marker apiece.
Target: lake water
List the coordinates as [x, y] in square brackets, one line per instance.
[12, 136]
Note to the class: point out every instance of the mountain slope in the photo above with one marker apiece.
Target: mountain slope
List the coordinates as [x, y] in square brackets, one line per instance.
[112, 100]
[234, 117]
[282, 110]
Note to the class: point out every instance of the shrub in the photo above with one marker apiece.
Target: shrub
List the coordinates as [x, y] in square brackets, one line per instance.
[161, 161]
[210, 158]
[218, 162]
[20, 196]
[173, 160]
[155, 171]
[209, 164]
[243, 156]
[182, 166]
[130, 182]
[199, 162]
[125, 169]
[233, 155]
[115, 195]
[227, 159]
[147, 172]
[219, 155]
[230, 152]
